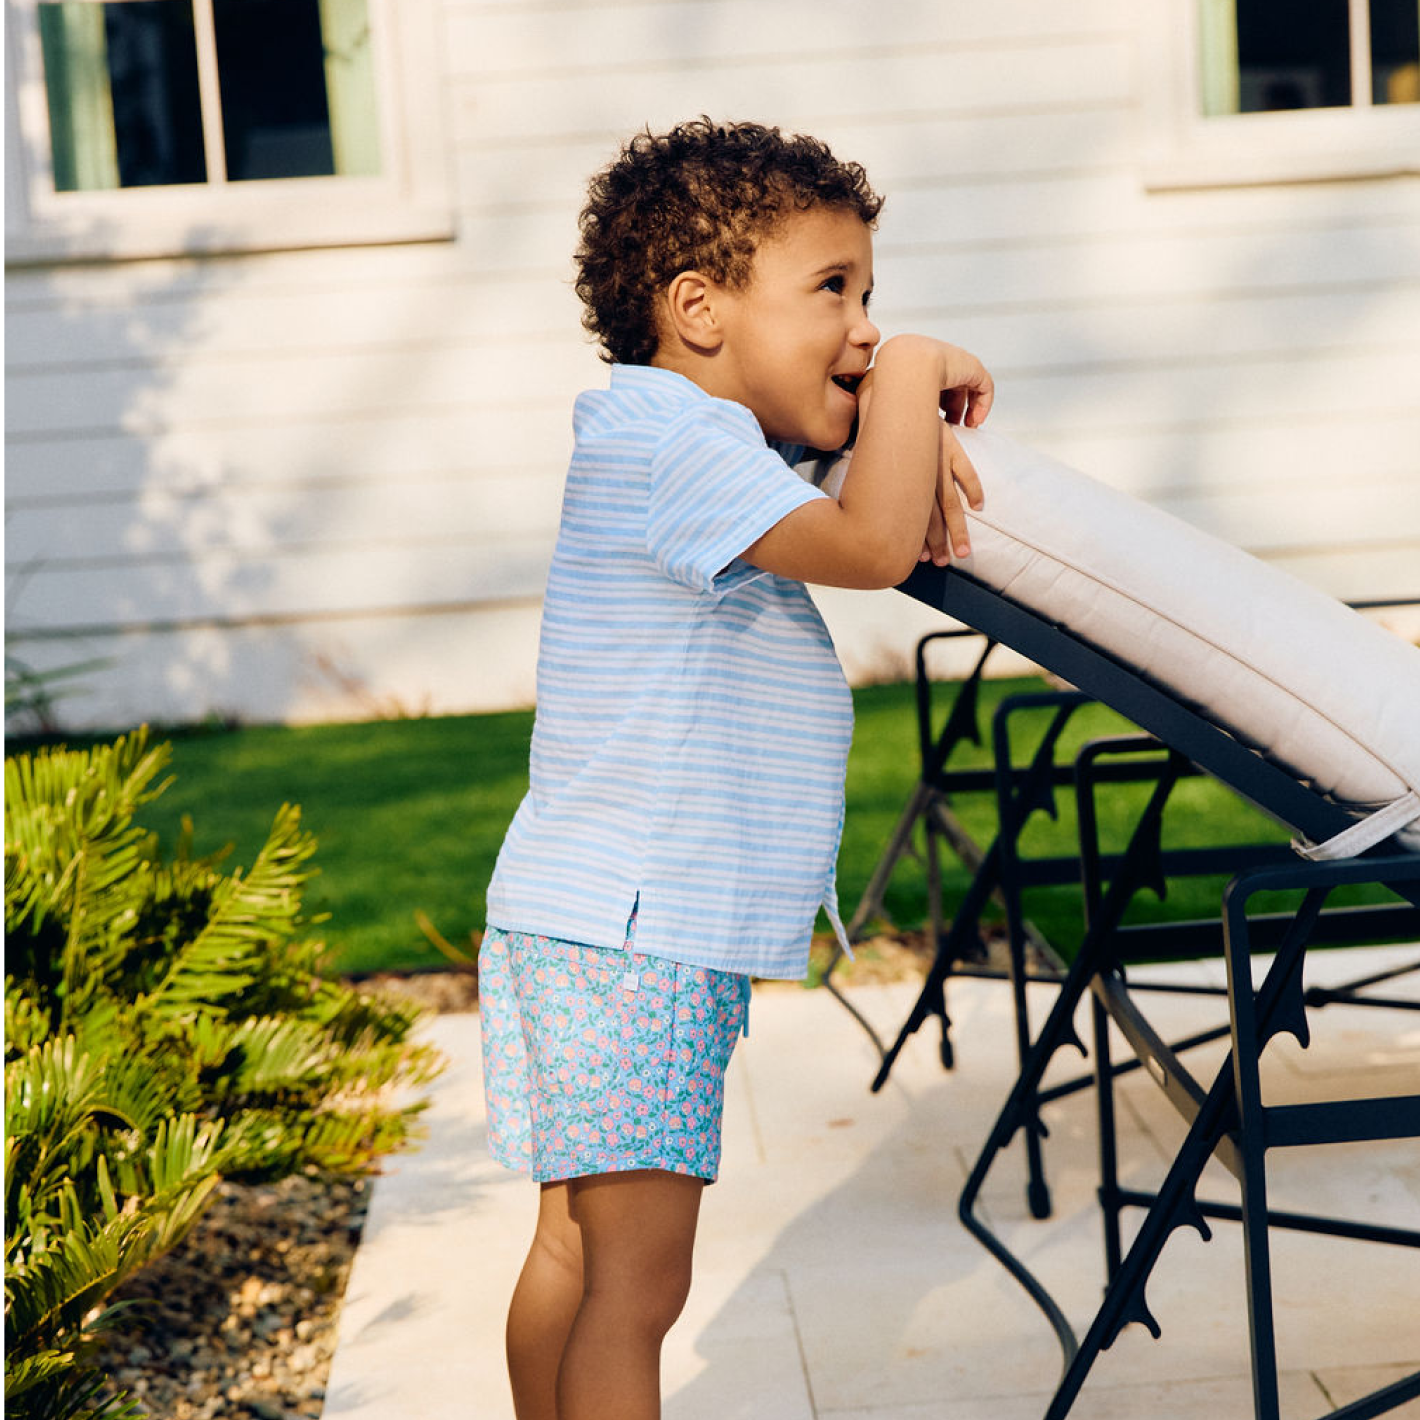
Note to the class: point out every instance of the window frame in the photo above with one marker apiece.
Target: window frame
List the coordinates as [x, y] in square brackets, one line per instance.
[1184, 148]
[410, 200]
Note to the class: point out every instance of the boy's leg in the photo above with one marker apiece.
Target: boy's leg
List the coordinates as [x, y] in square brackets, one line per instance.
[638, 1234]
[546, 1299]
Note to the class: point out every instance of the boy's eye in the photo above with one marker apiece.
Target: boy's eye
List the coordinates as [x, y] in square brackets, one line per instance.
[835, 284]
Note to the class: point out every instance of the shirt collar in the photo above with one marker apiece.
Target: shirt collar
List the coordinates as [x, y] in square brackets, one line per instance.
[681, 390]
[667, 383]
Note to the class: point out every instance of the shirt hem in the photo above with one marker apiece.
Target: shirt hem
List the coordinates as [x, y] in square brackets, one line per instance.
[758, 969]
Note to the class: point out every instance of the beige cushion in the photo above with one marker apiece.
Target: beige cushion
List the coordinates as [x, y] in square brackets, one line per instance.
[1305, 680]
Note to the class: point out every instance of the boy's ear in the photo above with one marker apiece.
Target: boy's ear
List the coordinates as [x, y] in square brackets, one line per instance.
[691, 312]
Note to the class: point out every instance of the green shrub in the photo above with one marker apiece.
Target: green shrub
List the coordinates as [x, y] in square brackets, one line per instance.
[167, 1024]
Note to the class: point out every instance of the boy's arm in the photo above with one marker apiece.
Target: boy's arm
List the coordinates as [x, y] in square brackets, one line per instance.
[874, 532]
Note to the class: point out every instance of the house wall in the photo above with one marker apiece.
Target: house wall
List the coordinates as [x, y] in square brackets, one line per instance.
[324, 484]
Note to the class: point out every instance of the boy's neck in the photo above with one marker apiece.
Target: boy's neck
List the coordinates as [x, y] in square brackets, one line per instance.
[696, 368]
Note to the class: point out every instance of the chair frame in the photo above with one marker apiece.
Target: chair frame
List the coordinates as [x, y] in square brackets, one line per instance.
[1228, 1117]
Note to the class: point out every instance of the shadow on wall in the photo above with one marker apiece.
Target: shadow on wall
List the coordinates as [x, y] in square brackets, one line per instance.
[220, 502]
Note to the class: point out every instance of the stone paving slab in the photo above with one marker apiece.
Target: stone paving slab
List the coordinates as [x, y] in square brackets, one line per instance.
[833, 1280]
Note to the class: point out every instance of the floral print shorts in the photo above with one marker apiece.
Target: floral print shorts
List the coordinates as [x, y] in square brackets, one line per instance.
[598, 1060]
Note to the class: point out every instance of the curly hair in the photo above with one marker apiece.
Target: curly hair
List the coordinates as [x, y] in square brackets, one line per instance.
[699, 198]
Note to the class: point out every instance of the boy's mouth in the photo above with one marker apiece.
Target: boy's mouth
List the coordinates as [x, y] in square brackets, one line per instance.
[849, 383]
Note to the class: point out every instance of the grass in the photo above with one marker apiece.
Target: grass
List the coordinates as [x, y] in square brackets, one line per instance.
[410, 813]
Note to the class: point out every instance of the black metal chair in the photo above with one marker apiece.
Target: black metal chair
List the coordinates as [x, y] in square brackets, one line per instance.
[1226, 1116]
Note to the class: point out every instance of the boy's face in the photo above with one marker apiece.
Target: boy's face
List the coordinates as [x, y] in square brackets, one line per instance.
[797, 336]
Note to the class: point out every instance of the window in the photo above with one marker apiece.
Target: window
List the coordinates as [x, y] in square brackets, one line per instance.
[1260, 56]
[151, 126]
[1276, 90]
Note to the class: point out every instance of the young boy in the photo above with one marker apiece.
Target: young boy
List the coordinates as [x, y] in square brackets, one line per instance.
[686, 779]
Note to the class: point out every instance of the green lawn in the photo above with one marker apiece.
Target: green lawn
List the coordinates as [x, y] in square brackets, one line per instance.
[409, 815]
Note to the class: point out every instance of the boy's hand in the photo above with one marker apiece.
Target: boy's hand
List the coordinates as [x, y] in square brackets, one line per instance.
[967, 392]
[957, 485]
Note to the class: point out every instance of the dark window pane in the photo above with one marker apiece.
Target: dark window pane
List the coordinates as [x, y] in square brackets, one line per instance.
[124, 107]
[274, 111]
[1395, 52]
[1293, 55]
[157, 109]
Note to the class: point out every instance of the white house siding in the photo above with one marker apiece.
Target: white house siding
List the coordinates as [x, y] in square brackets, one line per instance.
[324, 484]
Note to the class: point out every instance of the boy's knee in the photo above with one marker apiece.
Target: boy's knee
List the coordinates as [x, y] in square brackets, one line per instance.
[648, 1303]
[560, 1249]
[557, 1240]
[558, 1253]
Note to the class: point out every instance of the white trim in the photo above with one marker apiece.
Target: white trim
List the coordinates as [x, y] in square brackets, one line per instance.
[1358, 19]
[410, 201]
[214, 138]
[1375, 828]
[1183, 149]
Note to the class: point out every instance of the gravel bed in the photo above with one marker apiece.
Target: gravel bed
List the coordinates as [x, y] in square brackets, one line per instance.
[239, 1320]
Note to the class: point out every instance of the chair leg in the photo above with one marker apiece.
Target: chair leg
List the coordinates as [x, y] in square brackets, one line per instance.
[1255, 1016]
[1111, 1205]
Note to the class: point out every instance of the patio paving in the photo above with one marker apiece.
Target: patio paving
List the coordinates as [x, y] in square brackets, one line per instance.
[833, 1279]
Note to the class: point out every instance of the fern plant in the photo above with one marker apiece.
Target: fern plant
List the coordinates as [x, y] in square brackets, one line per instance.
[167, 1025]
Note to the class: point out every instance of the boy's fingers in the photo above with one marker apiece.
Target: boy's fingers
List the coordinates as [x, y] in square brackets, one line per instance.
[957, 537]
[937, 547]
[981, 401]
[969, 400]
[956, 480]
[965, 476]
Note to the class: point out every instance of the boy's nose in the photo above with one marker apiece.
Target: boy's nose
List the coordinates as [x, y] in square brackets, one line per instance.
[865, 333]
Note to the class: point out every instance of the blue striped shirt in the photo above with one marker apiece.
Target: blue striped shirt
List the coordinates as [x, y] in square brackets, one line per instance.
[692, 718]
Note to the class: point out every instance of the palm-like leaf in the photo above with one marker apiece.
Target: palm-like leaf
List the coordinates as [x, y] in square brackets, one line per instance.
[250, 914]
[167, 1025]
[50, 1295]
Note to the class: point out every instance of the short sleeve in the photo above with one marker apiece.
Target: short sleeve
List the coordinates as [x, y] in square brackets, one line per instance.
[715, 488]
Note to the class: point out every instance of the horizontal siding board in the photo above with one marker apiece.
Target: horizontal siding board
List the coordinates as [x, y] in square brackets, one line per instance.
[304, 583]
[464, 659]
[133, 283]
[1110, 204]
[1377, 514]
[1161, 259]
[302, 385]
[554, 172]
[1276, 389]
[477, 512]
[1149, 331]
[1285, 461]
[429, 317]
[1112, 268]
[356, 445]
[523, 41]
[795, 90]
[1377, 572]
